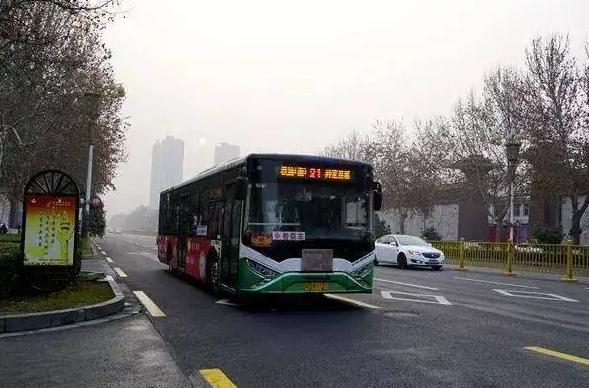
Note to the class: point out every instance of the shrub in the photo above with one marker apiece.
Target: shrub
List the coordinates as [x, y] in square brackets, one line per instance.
[9, 268]
[431, 234]
[547, 234]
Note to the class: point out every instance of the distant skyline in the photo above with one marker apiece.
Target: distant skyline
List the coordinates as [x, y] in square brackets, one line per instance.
[292, 77]
[225, 152]
[167, 167]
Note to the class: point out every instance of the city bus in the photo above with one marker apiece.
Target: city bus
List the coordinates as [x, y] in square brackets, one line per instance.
[273, 224]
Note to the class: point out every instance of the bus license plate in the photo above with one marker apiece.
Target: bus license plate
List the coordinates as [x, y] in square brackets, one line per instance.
[316, 286]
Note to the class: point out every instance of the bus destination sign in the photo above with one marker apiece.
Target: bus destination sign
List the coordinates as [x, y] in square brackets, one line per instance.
[315, 173]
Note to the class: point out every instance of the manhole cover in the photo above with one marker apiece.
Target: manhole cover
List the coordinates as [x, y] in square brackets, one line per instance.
[401, 314]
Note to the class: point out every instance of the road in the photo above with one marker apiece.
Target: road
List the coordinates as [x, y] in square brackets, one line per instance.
[418, 329]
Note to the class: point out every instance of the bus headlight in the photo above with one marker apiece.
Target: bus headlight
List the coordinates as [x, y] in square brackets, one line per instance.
[362, 271]
[260, 269]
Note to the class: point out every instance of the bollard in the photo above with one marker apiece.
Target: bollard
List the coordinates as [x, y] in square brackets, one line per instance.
[569, 270]
[510, 256]
[461, 255]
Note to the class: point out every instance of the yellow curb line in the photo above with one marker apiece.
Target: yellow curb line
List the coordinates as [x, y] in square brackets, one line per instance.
[563, 356]
[217, 378]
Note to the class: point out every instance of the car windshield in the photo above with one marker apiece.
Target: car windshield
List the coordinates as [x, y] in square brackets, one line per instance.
[411, 240]
[320, 211]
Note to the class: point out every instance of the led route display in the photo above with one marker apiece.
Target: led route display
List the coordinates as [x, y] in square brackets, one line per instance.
[315, 173]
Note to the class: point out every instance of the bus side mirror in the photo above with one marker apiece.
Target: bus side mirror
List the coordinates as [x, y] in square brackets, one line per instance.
[377, 196]
[240, 188]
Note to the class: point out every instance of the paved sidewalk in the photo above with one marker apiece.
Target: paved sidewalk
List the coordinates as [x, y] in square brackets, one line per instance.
[123, 352]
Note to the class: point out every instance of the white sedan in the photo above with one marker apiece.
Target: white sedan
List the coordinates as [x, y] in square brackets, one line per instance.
[407, 251]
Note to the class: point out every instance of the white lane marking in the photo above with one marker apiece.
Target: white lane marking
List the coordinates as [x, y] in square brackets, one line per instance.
[407, 284]
[352, 301]
[438, 298]
[488, 281]
[226, 302]
[108, 277]
[534, 295]
[109, 260]
[149, 304]
[120, 272]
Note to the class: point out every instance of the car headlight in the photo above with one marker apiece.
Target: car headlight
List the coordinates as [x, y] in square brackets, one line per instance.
[358, 273]
[416, 253]
[260, 269]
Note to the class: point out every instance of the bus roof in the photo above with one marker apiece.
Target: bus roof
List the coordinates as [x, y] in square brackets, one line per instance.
[237, 161]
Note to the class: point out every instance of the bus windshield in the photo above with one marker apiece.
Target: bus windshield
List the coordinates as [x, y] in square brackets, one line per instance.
[321, 211]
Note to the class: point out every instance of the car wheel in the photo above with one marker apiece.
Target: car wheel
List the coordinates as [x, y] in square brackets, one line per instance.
[402, 261]
[437, 267]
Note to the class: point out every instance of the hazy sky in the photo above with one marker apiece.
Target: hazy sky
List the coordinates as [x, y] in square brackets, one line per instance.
[293, 76]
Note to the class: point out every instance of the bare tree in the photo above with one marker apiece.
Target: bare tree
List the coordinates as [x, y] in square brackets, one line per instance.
[51, 58]
[557, 128]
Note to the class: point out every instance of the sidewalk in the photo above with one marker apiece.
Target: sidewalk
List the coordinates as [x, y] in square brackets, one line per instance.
[123, 350]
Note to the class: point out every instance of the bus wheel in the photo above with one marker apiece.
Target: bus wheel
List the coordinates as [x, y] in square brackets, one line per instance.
[213, 274]
[169, 258]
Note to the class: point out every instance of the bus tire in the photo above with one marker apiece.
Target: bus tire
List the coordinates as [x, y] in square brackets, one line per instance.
[212, 279]
[169, 257]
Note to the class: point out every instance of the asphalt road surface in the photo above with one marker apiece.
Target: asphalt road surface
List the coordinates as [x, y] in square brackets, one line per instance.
[419, 328]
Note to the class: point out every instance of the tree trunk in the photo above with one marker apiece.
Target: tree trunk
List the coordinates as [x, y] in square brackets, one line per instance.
[14, 215]
[498, 231]
[402, 217]
[576, 230]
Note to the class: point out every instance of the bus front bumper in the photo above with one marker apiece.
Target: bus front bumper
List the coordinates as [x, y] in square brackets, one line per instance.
[304, 283]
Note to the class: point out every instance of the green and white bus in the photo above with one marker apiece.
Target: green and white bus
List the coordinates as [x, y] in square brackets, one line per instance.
[272, 224]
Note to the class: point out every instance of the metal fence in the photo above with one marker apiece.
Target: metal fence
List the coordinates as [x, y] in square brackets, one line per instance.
[565, 259]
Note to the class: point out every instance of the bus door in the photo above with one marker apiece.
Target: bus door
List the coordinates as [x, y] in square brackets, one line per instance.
[231, 237]
[185, 223]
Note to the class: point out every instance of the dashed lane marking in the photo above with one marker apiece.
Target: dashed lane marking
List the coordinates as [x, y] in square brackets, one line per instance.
[226, 302]
[421, 298]
[120, 272]
[407, 284]
[534, 295]
[560, 355]
[491, 282]
[217, 379]
[149, 304]
[352, 301]
[109, 260]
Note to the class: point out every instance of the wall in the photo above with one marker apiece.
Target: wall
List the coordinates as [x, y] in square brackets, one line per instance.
[444, 218]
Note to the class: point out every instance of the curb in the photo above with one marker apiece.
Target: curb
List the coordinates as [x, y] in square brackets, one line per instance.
[34, 321]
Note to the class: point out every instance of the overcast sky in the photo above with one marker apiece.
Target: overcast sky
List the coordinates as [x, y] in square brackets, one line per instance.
[292, 76]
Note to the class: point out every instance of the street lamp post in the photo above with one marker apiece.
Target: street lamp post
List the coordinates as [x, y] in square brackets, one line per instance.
[512, 147]
[93, 101]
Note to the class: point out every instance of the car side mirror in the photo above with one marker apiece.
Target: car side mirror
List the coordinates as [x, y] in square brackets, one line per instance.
[240, 188]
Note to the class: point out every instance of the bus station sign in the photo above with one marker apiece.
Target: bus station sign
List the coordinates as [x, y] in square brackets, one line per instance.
[50, 215]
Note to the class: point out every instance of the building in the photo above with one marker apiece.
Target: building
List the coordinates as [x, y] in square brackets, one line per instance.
[225, 152]
[167, 163]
